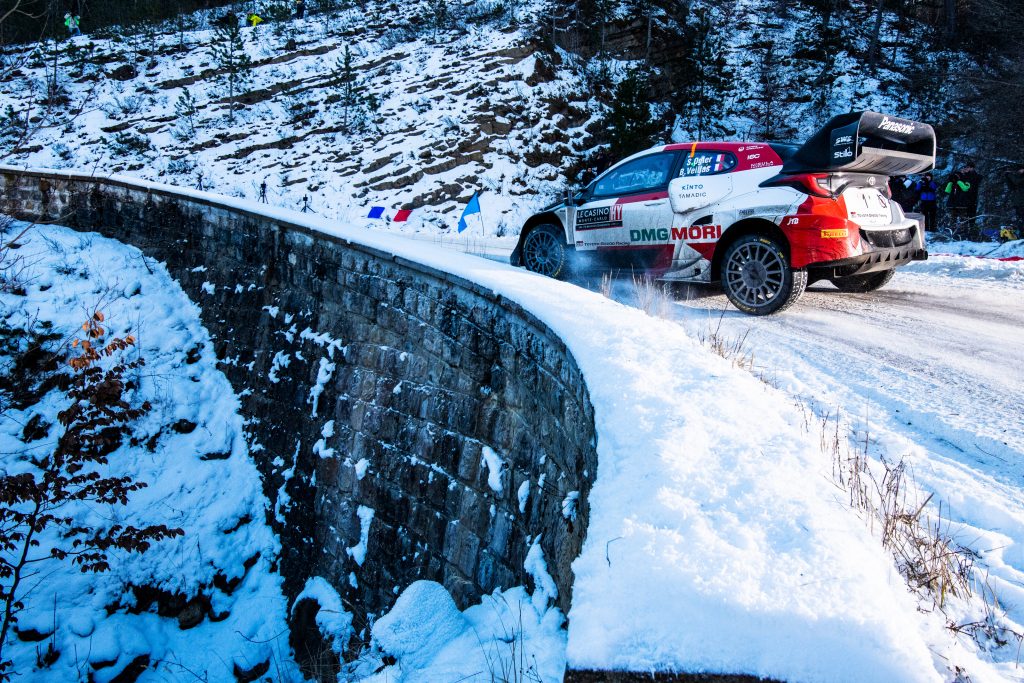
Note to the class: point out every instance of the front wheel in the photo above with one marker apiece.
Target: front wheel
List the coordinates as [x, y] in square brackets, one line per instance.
[869, 282]
[757, 278]
[545, 252]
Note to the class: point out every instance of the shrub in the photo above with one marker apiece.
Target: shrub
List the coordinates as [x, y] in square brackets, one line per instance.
[44, 497]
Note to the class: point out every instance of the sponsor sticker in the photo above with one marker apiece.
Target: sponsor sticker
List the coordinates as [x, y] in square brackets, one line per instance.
[894, 125]
[600, 215]
[843, 141]
[690, 235]
[835, 234]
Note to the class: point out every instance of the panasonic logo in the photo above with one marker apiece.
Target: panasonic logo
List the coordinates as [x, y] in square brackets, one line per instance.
[895, 126]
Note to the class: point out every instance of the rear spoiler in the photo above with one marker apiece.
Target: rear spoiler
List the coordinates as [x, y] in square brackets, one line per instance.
[867, 142]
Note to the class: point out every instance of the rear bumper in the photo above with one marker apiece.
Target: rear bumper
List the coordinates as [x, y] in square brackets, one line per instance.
[871, 262]
[840, 247]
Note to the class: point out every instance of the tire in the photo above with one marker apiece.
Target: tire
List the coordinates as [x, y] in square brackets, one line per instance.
[869, 282]
[545, 252]
[757, 278]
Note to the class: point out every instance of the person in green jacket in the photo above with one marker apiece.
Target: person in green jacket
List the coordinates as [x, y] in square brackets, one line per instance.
[254, 19]
[72, 24]
[961, 190]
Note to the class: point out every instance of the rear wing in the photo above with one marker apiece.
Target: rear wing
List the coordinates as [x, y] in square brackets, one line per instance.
[867, 142]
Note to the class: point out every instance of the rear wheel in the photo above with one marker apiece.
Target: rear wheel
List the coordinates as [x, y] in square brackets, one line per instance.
[868, 282]
[545, 251]
[757, 278]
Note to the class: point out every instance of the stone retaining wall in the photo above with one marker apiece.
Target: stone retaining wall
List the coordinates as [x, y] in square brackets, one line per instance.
[375, 390]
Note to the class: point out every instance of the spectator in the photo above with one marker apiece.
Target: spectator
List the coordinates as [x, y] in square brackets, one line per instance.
[901, 189]
[927, 192]
[1015, 195]
[72, 23]
[974, 180]
[253, 19]
[962, 196]
[300, 8]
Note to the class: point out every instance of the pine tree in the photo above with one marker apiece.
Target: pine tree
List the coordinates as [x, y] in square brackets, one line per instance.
[355, 101]
[185, 111]
[770, 104]
[706, 96]
[628, 124]
[228, 52]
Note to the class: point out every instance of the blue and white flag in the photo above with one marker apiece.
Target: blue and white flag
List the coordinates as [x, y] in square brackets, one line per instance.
[472, 209]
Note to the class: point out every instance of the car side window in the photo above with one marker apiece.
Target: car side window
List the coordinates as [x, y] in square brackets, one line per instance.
[707, 163]
[649, 172]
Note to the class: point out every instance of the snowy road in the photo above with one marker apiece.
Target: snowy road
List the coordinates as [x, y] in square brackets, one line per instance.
[939, 356]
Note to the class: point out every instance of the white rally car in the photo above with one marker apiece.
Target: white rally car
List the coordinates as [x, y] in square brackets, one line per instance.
[764, 219]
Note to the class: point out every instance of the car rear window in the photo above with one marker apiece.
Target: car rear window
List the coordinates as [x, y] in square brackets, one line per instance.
[646, 173]
[707, 163]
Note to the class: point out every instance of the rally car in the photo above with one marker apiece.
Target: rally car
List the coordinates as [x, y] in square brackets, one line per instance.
[764, 219]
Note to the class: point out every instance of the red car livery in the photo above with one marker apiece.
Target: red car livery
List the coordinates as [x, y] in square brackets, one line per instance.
[764, 219]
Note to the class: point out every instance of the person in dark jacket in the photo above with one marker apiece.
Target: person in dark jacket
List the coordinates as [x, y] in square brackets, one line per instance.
[927, 192]
[900, 191]
[961, 190]
[1015, 194]
[300, 8]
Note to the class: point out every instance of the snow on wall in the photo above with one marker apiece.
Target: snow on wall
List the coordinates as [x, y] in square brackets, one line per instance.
[716, 541]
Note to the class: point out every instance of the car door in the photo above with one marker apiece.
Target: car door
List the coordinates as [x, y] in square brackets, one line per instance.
[703, 180]
[628, 205]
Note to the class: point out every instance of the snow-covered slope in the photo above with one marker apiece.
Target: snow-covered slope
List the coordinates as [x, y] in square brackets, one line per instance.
[190, 450]
[446, 114]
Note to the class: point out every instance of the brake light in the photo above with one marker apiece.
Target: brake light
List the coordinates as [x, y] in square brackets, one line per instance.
[814, 184]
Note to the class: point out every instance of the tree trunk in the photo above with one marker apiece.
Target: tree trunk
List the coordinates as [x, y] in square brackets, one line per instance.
[875, 33]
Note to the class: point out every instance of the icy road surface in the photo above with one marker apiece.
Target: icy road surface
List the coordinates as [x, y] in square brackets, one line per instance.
[942, 357]
[938, 352]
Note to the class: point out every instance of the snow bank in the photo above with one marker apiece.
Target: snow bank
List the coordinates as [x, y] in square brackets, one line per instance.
[504, 638]
[423, 620]
[333, 620]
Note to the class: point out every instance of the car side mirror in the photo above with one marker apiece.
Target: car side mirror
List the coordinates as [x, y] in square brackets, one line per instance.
[694, 192]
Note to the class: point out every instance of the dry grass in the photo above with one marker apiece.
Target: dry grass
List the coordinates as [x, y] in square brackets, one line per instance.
[650, 297]
[885, 493]
[732, 348]
[934, 565]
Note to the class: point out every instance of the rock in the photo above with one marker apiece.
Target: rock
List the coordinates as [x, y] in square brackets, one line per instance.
[36, 429]
[31, 635]
[184, 426]
[125, 72]
[131, 673]
[193, 614]
[251, 674]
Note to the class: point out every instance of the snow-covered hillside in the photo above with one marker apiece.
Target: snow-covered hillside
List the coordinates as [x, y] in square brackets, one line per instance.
[419, 119]
[431, 118]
